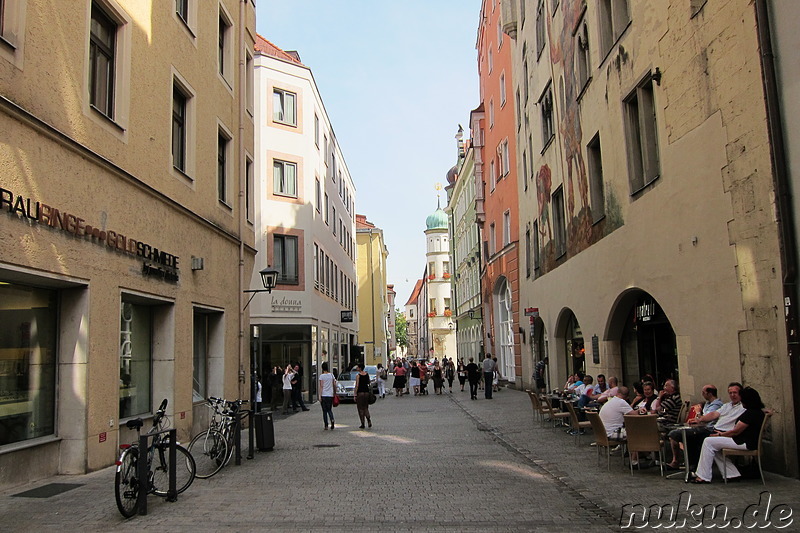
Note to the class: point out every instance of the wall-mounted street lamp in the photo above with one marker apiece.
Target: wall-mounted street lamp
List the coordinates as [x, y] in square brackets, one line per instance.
[471, 314]
[269, 277]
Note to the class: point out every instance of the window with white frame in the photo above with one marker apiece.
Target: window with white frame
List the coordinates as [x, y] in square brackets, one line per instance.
[285, 259]
[490, 60]
[316, 130]
[249, 83]
[327, 209]
[224, 46]
[595, 164]
[284, 107]
[613, 17]
[492, 239]
[540, 28]
[317, 195]
[528, 252]
[642, 136]
[102, 60]
[492, 175]
[506, 228]
[559, 223]
[182, 9]
[525, 78]
[535, 245]
[179, 123]
[499, 34]
[505, 158]
[502, 89]
[316, 266]
[582, 58]
[546, 113]
[491, 113]
[284, 178]
[521, 13]
[248, 189]
[223, 146]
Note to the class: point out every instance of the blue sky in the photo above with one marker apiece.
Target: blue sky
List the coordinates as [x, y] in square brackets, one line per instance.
[397, 78]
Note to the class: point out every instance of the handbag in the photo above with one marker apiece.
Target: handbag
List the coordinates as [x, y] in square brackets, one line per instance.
[335, 400]
[372, 397]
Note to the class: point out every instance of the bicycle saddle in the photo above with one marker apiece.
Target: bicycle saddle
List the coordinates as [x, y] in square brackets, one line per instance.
[134, 424]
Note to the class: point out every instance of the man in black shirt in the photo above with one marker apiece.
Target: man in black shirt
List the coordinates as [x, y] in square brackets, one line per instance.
[473, 375]
[297, 393]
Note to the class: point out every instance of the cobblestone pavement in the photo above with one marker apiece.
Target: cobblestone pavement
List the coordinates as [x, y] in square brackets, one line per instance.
[431, 463]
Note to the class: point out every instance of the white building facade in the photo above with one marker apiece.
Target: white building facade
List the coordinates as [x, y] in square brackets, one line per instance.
[441, 323]
[305, 212]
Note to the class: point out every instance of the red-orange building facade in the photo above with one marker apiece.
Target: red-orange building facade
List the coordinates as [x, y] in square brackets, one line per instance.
[498, 213]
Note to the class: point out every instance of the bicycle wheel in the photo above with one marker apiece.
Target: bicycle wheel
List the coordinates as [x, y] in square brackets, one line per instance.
[126, 484]
[209, 450]
[184, 469]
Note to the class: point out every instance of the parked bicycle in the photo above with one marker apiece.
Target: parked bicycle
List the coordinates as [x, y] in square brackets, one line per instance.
[127, 484]
[213, 448]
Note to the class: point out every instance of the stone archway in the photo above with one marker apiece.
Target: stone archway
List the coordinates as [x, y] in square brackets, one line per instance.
[641, 339]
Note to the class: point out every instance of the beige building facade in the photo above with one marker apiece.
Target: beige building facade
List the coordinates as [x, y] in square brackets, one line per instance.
[654, 244]
[126, 144]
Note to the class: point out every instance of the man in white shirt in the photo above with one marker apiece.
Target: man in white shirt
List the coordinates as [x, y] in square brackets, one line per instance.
[722, 419]
[613, 413]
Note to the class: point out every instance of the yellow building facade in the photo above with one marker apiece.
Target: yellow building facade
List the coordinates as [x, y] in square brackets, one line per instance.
[126, 146]
[372, 303]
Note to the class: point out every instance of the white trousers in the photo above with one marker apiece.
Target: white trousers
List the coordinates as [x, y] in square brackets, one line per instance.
[381, 387]
[711, 453]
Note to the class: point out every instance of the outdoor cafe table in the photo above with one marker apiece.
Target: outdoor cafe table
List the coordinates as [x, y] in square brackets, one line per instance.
[686, 463]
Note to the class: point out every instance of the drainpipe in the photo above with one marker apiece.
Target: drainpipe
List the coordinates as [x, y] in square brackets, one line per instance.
[785, 215]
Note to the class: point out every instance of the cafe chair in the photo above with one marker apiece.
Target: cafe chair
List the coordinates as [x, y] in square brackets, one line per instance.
[643, 436]
[538, 409]
[556, 415]
[683, 413]
[747, 453]
[602, 439]
[577, 426]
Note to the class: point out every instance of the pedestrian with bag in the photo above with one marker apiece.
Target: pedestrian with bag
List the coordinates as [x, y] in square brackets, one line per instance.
[474, 376]
[383, 375]
[327, 388]
[450, 373]
[399, 379]
[363, 392]
[462, 373]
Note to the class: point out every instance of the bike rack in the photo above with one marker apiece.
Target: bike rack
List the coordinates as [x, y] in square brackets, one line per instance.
[143, 470]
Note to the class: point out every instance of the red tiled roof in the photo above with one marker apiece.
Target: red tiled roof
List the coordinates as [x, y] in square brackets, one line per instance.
[268, 48]
[412, 300]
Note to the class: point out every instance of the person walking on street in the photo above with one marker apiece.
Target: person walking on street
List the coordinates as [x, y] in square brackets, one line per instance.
[275, 384]
[288, 376]
[438, 379]
[381, 379]
[362, 395]
[327, 388]
[297, 392]
[450, 373]
[414, 382]
[462, 373]
[488, 375]
[473, 375]
[399, 379]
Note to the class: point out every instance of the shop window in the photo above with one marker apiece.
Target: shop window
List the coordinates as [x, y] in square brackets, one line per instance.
[135, 359]
[29, 318]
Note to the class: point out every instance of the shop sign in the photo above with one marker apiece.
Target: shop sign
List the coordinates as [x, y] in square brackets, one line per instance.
[157, 263]
[286, 305]
[532, 311]
[347, 316]
[646, 311]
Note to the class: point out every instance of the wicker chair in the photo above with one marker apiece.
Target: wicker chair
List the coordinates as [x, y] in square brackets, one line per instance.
[538, 409]
[748, 453]
[642, 434]
[577, 426]
[602, 440]
[554, 414]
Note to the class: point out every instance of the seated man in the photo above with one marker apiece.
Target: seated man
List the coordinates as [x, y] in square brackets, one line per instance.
[719, 419]
[668, 403]
[613, 413]
[585, 391]
[613, 385]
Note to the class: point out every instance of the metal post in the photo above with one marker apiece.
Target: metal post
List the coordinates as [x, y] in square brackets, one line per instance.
[143, 473]
[253, 392]
[172, 494]
[237, 437]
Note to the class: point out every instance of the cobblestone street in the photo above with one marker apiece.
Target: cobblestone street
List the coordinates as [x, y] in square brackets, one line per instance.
[429, 463]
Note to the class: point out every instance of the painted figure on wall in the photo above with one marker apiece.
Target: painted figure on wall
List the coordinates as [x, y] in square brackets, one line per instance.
[544, 182]
[562, 51]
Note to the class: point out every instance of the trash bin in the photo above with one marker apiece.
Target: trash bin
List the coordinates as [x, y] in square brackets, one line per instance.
[265, 431]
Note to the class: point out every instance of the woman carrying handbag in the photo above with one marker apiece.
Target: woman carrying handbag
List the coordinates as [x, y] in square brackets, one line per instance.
[362, 395]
